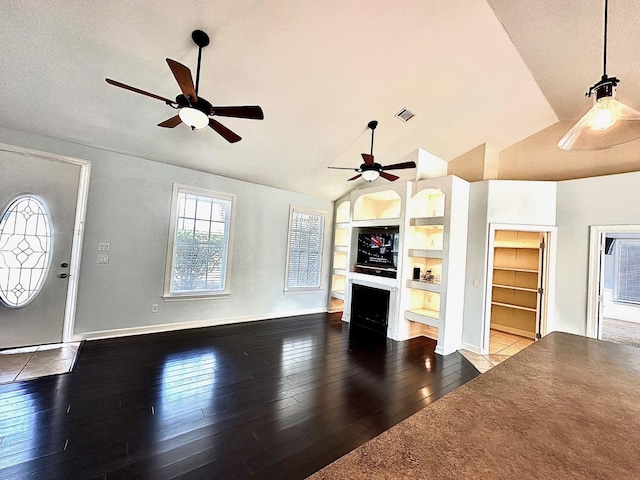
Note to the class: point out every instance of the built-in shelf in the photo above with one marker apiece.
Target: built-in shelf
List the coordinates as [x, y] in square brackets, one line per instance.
[517, 307]
[383, 222]
[424, 253]
[426, 286]
[426, 221]
[339, 271]
[423, 315]
[513, 287]
[337, 294]
[341, 248]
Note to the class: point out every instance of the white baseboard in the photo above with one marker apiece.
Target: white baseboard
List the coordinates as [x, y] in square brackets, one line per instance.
[168, 327]
[471, 348]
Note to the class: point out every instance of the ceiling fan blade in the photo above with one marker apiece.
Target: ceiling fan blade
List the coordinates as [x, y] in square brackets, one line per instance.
[253, 112]
[368, 159]
[137, 90]
[228, 135]
[388, 176]
[399, 166]
[184, 79]
[353, 178]
[345, 168]
[171, 123]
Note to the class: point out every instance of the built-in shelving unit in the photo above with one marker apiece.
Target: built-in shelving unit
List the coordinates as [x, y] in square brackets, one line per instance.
[430, 217]
[516, 282]
[341, 247]
[437, 207]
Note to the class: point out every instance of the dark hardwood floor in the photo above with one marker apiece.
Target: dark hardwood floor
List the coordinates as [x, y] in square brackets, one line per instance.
[271, 399]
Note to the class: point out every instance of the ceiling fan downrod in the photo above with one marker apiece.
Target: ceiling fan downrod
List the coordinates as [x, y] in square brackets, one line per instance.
[201, 39]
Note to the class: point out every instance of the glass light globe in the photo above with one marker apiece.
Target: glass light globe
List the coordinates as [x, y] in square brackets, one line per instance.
[370, 175]
[193, 117]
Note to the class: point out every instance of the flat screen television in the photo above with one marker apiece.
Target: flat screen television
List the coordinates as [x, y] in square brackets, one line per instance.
[378, 249]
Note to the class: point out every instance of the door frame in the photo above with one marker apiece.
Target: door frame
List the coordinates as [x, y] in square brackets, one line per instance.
[549, 277]
[78, 229]
[597, 233]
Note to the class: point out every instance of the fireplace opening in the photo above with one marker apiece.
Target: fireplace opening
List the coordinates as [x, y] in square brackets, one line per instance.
[370, 308]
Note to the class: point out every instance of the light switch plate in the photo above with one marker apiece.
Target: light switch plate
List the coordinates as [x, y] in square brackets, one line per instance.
[103, 247]
[102, 259]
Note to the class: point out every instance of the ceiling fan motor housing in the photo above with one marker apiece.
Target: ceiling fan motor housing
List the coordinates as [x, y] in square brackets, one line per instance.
[203, 105]
[375, 166]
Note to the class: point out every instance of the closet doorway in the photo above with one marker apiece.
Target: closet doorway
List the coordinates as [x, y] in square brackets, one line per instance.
[518, 287]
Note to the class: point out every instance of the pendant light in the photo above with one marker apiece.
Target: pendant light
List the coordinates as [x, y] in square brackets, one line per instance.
[609, 122]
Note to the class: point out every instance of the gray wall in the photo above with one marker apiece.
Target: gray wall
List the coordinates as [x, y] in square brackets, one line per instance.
[608, 200]
[129, 207]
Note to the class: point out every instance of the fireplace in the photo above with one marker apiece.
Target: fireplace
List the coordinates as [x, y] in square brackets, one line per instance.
[370, 308]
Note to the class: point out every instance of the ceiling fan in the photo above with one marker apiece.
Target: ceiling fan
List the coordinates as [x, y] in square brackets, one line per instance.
[370, 170]
[193, 110]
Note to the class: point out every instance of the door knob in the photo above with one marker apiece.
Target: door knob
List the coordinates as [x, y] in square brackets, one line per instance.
[63, 275]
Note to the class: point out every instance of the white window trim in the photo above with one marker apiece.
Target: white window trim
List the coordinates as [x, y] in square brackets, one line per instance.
[168, 296]
[309, 211]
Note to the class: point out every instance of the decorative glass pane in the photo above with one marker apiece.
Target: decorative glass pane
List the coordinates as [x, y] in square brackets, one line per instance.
[305, 250]
[200, 244]
[25, 250]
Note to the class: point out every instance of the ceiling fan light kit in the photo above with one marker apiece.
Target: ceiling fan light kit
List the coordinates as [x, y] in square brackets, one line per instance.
[193, 110]
[194, 118]
[370, 170]
[608, 123]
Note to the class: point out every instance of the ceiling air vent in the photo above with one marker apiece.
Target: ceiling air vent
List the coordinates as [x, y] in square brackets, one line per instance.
[404, 115]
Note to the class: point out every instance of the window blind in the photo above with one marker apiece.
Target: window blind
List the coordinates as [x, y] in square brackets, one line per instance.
[304, 261]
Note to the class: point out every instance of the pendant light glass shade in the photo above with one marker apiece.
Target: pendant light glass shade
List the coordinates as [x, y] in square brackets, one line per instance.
[609, 123]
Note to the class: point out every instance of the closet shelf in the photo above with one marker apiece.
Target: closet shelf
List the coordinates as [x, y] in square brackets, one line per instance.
[512, 287]
[517, 307]
[513, 269]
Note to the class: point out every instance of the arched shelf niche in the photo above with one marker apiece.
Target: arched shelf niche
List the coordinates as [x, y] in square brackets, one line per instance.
[428, 202]
[377, 205]
[343, 213]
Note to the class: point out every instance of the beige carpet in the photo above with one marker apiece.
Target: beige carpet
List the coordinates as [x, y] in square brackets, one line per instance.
[619, 331]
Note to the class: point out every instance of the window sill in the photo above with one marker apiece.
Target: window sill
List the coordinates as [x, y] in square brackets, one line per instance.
[208, 296]
[297, 291]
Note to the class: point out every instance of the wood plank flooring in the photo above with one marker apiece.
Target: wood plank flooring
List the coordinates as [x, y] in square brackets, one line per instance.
[271, 399]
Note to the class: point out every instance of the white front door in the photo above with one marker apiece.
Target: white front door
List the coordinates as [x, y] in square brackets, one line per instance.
[38, 204]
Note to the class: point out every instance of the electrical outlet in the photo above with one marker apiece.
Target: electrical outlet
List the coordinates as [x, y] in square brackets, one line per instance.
[103, 247]
[154, 308]
[476, 282]
[102, 259]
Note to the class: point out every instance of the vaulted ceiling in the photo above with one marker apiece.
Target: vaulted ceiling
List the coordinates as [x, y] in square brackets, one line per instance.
[471, 71]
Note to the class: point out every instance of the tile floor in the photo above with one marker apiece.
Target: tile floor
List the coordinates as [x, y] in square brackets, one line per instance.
[32, 362]
[501, 346]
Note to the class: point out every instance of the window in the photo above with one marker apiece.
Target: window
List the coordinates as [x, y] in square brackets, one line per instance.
[200, 243]
[304, 255]
[627, 284]
[25, 250]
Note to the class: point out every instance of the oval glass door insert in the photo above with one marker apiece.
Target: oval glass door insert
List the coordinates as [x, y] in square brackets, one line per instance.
[25, 250]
